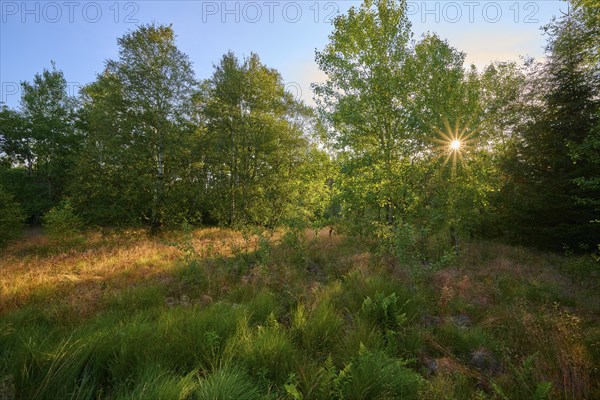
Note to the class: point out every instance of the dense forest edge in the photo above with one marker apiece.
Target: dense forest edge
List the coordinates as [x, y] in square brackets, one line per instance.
[428, 230]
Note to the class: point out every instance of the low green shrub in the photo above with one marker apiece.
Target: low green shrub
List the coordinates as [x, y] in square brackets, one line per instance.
[61, 224]
[356, 288]
[362, 333]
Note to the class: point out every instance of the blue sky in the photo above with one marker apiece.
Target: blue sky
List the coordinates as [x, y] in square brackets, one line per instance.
[81, 35]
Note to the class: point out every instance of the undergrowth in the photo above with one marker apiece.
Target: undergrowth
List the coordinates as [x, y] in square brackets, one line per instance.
[217, 314]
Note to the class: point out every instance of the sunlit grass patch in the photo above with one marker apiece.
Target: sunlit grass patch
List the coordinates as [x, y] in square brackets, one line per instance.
[59, 276]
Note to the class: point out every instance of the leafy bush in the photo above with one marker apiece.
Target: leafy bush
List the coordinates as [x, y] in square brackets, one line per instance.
[404, 239]
[61, 223]
[11, 217]
[582, 267]
[293, 242]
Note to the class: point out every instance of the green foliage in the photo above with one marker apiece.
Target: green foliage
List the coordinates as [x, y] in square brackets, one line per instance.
[550, 199]
[361, 333]
[252, 126]
[385, 311]
[463, 341]
[227, 383]
[154, 383]
[198, 339]
[342, 338]
[582, 267]
[61, 224]
[527, 385]
[377, 376]
[116, 349]
[41, 141]
[317, 329]
[149, 144]
[369, 375]
[191, 255]
[262, 306]
[295, 244]
[415, 99]
[11, 217]
[357, 288]
[266, 351]
[139, 157]
[403, 240]
[136, 299]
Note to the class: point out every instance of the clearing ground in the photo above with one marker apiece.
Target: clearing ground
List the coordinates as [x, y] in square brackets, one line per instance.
[214, 314]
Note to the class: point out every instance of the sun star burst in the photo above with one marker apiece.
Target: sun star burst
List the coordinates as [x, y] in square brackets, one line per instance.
[454, 142]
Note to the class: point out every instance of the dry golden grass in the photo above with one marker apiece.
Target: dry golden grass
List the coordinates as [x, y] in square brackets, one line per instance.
[79, 276]
[33, 269]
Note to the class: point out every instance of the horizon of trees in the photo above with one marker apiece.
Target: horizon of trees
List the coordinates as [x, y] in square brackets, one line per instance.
[148, 143]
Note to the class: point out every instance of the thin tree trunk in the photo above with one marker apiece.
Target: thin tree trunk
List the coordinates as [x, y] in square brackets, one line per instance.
[158, 188]
[454, 239]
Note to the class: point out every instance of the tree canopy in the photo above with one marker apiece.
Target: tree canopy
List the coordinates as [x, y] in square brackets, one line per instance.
[406, 144]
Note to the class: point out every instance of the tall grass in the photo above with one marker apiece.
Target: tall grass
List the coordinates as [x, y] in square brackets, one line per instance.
[307, 318]
[317, 329]
[228, 383]
[266, 350]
